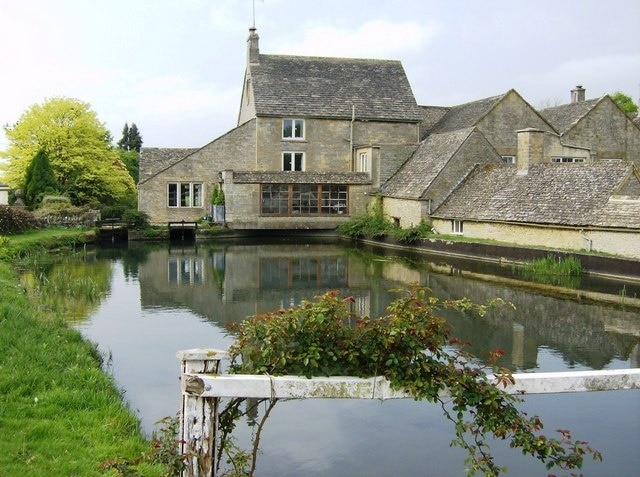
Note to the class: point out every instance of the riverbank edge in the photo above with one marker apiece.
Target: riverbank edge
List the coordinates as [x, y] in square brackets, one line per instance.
[60, 412]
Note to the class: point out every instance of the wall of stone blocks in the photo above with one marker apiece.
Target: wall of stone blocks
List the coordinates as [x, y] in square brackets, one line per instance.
[510, 115]
[614, 242]
[410, 212]
[608, 132]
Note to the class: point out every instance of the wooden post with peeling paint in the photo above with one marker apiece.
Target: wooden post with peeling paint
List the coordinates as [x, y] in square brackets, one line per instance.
[198, 414]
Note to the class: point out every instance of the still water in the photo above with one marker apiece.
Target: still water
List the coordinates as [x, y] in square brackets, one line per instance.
[161, 299]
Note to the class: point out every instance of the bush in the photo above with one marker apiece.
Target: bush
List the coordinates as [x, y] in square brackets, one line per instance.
[14, 220]
[414, 233]
[373, 224]
[112, 212]
[136, 220]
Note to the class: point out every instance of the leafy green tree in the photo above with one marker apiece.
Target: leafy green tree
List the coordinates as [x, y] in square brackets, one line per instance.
[131, 160]
[131, 139]
[39, 179]
[87, 168]
[625, 103]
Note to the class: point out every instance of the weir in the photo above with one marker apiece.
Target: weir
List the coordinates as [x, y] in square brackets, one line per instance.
[203, 385]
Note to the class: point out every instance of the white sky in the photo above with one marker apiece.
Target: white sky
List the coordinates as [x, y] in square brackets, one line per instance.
[175, 67]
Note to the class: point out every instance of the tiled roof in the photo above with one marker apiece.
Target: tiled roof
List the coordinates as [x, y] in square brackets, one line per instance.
[564, 117]
[295, 177]
[431, 157]
[156, 159]
[556, 194]
[466, 115]
[329, 87]
[430, 117]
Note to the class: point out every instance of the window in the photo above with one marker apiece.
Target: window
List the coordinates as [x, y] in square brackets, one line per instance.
[509, 159]
[559, 159]
[293, 129]
[363, 162]
[456, 227]
[184, 194]
[293, 161]
[304, 199]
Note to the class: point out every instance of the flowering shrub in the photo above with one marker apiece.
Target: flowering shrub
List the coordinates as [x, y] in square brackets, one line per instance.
[413, 347]
[14, 220]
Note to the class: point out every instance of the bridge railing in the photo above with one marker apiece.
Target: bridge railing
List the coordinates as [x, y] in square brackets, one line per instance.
[203, 385]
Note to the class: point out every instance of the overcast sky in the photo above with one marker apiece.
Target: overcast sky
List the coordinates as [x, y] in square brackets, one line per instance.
[175, 67]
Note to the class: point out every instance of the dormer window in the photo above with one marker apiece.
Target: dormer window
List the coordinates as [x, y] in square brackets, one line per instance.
[293, 129]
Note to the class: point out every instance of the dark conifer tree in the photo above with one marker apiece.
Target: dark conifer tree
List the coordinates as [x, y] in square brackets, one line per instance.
[123, 143]
[135, 139]
[39, 179]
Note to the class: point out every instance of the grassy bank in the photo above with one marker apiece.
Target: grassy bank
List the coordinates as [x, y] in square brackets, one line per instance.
[60, 414]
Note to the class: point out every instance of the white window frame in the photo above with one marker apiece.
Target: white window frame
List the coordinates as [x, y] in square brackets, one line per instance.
[292, 160]
[509, 159]
[363, 162]
[567, 159]
[186, 195]
[457, 227]
[293, 129]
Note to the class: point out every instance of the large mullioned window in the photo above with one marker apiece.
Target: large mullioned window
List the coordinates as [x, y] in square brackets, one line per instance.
[304, 199]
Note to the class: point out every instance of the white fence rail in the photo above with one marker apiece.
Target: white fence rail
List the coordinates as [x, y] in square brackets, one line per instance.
[203, 386]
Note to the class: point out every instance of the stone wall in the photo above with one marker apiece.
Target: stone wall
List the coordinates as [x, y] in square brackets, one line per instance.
[510, 115]
[608, 132]
[626, 244]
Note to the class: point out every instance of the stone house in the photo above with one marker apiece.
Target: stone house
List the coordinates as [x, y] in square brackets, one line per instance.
[598, 125]
[315, 137]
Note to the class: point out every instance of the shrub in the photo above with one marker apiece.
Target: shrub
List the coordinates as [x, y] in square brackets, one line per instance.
[373, 224]
[414, 233]
[136, 220]
[112, 211]
[14, 220]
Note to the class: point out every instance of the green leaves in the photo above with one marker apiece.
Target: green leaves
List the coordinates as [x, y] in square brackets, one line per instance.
[412, 348]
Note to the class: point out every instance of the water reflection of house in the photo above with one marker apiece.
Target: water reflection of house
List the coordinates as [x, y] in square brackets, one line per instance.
[230, 283]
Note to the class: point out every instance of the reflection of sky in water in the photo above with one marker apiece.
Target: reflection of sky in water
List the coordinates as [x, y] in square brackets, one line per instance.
[343, 438]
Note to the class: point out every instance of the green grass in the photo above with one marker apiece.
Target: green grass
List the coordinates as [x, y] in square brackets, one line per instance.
[31, 244]
[60, 413]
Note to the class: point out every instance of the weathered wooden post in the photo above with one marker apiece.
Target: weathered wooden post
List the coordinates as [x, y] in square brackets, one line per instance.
[198, 415]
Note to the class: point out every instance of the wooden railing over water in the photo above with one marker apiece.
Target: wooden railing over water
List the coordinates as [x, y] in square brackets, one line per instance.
[203, 385]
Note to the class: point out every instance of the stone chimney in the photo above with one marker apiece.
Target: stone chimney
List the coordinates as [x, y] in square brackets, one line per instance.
[530, 149]
[577, 94]
[253, 47]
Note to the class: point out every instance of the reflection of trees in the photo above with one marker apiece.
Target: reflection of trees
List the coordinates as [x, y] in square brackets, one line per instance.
[72, 288]
[229, 282]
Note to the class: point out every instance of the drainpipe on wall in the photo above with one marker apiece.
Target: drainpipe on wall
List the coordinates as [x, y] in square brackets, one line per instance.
[586, 237]
[353, 118]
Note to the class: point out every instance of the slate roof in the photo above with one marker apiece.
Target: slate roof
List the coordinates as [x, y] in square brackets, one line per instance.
[328, 87]
[564, 117]
[575, 195]
[156, 159]
[430, 117]
[416, 175]
[466, 115]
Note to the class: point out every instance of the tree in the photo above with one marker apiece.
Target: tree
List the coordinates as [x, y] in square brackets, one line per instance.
[131, 139]
[78, 145]
[625, 103]
[39, 179]
[131, 160]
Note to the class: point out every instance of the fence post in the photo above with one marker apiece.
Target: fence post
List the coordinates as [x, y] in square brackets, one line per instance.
[199, 415]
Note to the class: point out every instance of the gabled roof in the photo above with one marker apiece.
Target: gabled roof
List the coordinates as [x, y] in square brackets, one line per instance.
[466, 115]
[329, 88]
[420, 170]
[565, 116]
[578, 195]
[156, 159]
